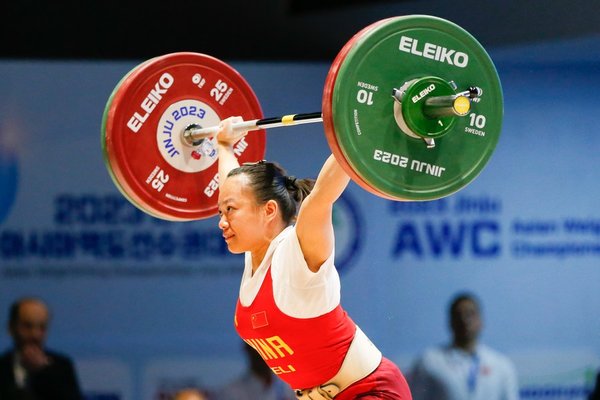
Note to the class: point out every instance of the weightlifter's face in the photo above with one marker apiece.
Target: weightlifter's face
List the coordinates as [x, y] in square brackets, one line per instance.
[241, 218]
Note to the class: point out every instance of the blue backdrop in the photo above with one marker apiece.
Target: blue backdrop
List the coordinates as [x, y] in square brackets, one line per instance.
[142, 318]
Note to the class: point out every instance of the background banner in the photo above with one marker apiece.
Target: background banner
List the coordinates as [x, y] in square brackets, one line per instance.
[146, 306]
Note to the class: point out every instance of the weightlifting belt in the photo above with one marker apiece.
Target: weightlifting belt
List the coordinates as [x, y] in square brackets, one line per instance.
[361, 359]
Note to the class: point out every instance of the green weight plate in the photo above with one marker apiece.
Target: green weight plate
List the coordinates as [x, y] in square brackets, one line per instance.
[386, 160]
[327, 109]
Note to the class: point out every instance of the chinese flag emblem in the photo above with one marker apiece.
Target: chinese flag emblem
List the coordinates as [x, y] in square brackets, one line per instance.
[259, 319]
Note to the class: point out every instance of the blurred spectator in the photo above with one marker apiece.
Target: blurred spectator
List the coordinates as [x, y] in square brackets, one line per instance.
[29, 371]
[465, 368]
[190, 394]
[259, 382]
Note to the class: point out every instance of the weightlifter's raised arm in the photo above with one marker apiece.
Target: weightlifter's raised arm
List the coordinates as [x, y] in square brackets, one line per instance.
[227, 137]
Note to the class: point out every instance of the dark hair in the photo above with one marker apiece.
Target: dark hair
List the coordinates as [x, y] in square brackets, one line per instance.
[460, 297]
[269, 181]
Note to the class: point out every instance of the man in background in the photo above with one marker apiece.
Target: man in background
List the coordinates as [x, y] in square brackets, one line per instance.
[29, 371]
[464, 369]
[189, 394]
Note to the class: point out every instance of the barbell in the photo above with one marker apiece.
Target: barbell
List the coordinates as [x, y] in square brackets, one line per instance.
[412, 110]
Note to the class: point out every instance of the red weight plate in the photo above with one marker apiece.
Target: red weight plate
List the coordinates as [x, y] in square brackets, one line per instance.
[103, 140]
[328, 124]
[143, 124]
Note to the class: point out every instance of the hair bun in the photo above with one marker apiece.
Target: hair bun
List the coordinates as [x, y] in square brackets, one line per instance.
[290, 182]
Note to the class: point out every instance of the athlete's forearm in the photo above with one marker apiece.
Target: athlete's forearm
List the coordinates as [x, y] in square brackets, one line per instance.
[227, 160]
[331, 182]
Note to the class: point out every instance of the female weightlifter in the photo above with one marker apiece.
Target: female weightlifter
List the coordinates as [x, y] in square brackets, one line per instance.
[289, 308]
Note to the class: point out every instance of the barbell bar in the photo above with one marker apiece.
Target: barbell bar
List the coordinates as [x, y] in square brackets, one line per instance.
[194, 133]
[433, 107]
